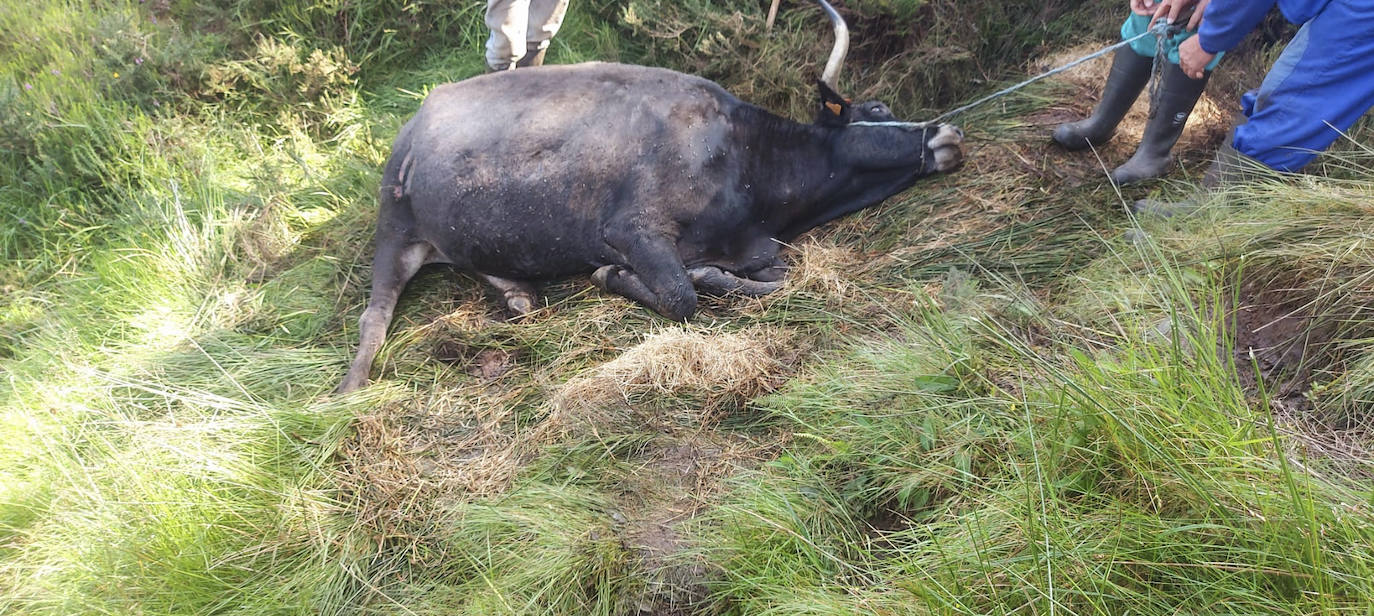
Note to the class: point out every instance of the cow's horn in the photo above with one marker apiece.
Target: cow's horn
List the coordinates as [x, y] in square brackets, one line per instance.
[832, 66]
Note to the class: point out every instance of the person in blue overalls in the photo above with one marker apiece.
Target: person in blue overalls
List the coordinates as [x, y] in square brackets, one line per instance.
[1131, 69]
[1317, 89]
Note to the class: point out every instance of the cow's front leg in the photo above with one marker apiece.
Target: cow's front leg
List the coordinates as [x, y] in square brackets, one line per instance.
[654, 276]
[715, 281]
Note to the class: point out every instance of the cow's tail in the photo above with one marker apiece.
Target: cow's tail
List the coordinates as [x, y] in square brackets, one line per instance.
[396, 176]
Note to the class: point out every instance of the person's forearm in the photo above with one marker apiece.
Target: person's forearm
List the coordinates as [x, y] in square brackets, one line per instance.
[1226, 22]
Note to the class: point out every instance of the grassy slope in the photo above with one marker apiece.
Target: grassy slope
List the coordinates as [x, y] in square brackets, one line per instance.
[993, 394]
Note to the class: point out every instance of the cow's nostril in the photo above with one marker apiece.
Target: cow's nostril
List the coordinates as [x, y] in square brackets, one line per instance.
[959, 131]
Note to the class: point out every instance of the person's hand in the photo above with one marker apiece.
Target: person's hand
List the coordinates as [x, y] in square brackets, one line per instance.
[1196, 19]
[1173, 8]
[1143, 7]
[1192, 59]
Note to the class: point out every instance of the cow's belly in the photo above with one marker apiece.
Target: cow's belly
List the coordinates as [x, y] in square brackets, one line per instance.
[515, 238]
[535, 223]
[744, 251]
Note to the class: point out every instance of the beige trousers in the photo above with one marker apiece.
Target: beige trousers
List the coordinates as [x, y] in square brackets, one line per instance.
[519, 27]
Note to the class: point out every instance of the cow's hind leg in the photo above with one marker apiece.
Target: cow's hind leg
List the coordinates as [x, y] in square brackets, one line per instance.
[519, 296]
[394, 266]
[773, 273]
[715, 281]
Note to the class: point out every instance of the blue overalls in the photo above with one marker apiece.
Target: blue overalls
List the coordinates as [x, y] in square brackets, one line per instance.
[1321, 84]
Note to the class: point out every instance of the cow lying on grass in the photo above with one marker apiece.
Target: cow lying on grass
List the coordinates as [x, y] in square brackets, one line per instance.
[660, 185]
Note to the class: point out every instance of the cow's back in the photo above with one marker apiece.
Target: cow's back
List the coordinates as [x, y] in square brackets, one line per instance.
[514, 173]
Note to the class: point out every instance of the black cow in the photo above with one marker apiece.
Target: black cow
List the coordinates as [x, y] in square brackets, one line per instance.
[659, 184]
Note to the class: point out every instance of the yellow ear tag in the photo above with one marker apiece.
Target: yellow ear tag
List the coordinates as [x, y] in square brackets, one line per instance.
[834, 108]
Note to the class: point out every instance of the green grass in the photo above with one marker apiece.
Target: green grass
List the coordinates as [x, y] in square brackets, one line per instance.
[969, 465]
[995, 394]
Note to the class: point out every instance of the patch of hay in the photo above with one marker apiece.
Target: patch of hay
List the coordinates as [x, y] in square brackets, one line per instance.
[703, 371]
[1088, 74]
[263, 240]
[825, 268]
[410, 457]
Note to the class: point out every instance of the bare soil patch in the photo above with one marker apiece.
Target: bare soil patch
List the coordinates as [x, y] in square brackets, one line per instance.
[484, 363]
[1283, 345]
[678, 476]
[1277, 335]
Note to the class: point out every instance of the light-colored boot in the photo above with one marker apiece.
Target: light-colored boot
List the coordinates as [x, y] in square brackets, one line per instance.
[1228, 168]
[534, 56]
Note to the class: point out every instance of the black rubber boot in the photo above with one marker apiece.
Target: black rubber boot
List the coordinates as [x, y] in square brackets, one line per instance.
[1130, 72]
[1228, 168]
[534, 56]
[1178, 94]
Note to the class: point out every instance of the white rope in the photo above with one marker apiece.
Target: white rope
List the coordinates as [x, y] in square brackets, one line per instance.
[910, 125]
[1159, 31]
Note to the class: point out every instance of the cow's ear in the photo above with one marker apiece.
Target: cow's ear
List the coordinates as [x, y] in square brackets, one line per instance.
[833, 109]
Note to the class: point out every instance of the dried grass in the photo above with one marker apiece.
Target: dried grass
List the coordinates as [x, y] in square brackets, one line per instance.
[825, 268]
[1348, 451]
[465, 442]
[710, 369]
[406, 461]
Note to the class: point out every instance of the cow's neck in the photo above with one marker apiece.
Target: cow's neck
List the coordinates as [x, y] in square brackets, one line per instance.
[795, 179]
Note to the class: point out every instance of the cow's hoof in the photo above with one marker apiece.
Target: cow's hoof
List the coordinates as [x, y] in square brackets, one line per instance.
[350, 385]
[519, 304]
[604, 273]
[947, 145]
[770, 274]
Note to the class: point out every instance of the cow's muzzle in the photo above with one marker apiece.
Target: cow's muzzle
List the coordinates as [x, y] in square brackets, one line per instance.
[947, 144]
